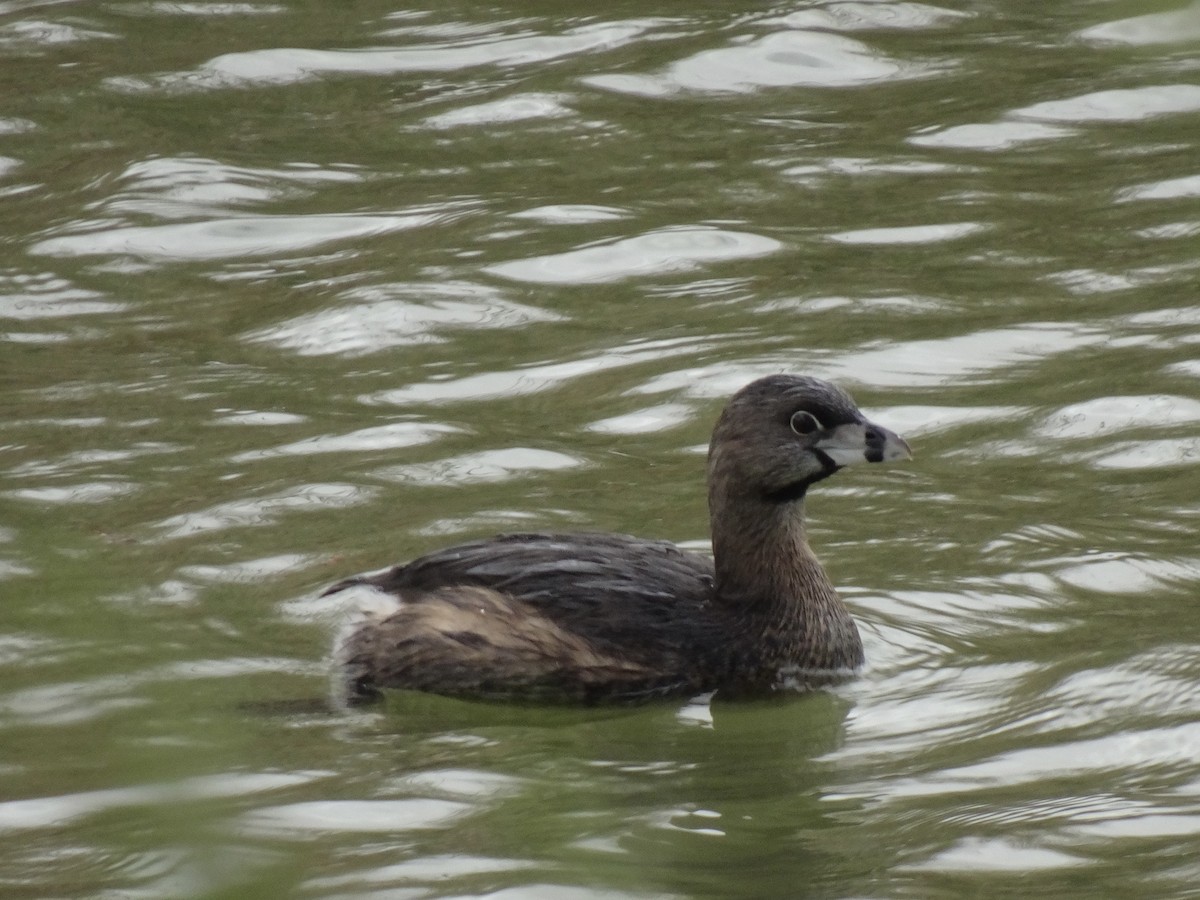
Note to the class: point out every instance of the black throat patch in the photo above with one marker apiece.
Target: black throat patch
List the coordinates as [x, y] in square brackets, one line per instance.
[790, 493]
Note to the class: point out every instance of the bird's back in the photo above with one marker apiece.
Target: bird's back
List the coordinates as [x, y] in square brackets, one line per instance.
[572, 617]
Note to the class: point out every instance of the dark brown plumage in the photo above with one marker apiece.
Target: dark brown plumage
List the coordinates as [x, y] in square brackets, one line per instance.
[589, 618]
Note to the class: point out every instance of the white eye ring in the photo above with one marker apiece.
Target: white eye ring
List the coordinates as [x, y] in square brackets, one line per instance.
[804, 423]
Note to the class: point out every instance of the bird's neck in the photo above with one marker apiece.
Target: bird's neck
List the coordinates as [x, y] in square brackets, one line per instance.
[767, 573]
[761, 552]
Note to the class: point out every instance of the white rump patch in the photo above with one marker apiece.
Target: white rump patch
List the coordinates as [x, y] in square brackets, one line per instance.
[360, 605]
[365, 601]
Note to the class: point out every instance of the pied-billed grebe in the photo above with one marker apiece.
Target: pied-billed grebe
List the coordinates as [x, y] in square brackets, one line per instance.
[591, 618]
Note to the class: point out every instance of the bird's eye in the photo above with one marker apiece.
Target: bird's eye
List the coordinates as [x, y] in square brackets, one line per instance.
[805, 422]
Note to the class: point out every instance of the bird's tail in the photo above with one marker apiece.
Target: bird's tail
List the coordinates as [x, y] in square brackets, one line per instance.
[352, 676]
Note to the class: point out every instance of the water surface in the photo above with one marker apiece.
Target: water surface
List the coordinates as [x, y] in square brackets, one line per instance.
[292, 290]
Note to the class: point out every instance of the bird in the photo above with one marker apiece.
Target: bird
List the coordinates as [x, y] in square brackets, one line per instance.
[594, 618]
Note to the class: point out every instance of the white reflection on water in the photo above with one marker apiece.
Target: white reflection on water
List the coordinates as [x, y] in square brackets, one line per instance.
[13, 125]
[1104, 415]
[1127, 105]
[385, 316]
[378, 437]
[457, 783]
[230, 237]
[856, 166]
[299, 820]
[34, 337]
[911, 420]
[78, 461]
[644, 421]
[53, 812]
[1120, 573]
[536, 378]
[975, 356]
[18, 648]
[550, 891]
[1120, 752]
[1094, 281]
[1170, 27]
[252, 512]
[1149, 825]
[1167, 452]
[1002, 135]
[997, 855]
[854, 306]
[256, 417]
[909, 234]
[44, 295]
[86, 492]
[71, 702]
[1181, 317]
[1169, 189]
[494, 521]
[1161, 683]
[186, 186]
[183, 8]
[431, 868]
[1043, 121]
[35, 33]
[655, 252]
[278, 65]
[251, 570]
[1171, 231]
[482, 467]
[572, 214]
[517, 108]
[929, 702]
[855, 15]
[786, 58]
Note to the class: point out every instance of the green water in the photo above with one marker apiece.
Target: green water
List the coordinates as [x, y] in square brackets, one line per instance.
[292, 290]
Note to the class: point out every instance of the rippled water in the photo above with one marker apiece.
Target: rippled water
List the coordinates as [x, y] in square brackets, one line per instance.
[292, 290]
